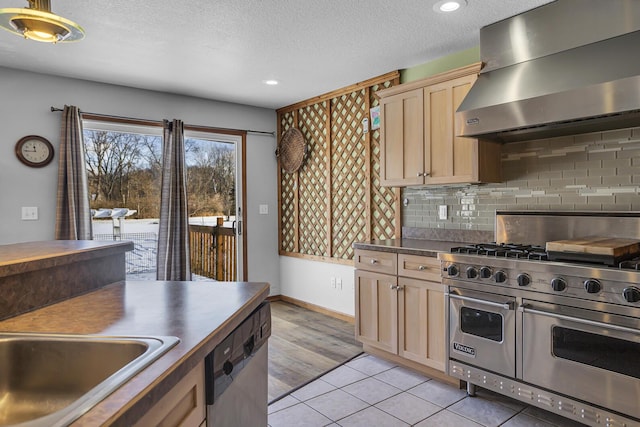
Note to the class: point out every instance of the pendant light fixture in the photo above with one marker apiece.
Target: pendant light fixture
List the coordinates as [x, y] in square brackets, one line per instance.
[38, 23]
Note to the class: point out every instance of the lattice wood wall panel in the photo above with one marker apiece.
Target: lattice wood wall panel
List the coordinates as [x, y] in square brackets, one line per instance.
[348, 172]
[288, 187]
[335, 198]
[313, 178]
[383, 210]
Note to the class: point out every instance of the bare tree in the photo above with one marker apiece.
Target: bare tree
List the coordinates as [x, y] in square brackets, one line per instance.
[124, 169]
[111, 158]
[211, 178]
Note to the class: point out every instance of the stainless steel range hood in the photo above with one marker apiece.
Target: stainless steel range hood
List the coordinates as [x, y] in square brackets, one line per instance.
[569, 67]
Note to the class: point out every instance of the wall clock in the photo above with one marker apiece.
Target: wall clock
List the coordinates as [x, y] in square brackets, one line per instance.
[34, 151]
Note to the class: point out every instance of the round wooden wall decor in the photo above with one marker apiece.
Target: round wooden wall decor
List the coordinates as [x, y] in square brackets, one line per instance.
[291, 150]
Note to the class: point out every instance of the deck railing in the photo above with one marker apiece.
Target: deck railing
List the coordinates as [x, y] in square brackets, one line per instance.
[213, 251]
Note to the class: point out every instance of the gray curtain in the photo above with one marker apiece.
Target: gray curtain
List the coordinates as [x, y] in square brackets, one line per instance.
[173, 235]
[73, 213]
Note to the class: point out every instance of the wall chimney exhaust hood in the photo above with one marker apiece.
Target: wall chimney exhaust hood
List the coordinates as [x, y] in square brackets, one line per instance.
[567, 67]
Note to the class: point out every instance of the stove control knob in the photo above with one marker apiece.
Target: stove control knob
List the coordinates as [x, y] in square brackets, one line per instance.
[227, 367]
[500, 276]
[452, 270]
[523, 279]
[485, 272]
[592, 286]
[472, 273]
[558, 284]
[631, 294]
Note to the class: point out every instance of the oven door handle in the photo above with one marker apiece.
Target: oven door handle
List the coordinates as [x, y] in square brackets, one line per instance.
[505, 306]
[525, 309]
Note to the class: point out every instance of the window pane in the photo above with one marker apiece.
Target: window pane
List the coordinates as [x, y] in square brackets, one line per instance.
[612, 354]
[211, 175]
[124, 172]
[481, 323]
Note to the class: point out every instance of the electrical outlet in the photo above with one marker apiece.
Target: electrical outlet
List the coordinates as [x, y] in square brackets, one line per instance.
[339, 283]
[442, 212]
[264, 210]
[333, 282]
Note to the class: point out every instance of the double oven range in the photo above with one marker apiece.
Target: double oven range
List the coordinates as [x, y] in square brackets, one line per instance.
[562, 336]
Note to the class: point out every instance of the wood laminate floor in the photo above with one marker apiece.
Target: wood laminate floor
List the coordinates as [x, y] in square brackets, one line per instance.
[305, 344]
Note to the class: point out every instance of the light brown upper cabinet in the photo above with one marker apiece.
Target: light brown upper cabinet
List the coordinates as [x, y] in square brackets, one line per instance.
[419, 146]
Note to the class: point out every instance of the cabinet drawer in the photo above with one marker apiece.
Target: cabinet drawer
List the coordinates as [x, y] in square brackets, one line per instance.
[381, 262]
[419, 267]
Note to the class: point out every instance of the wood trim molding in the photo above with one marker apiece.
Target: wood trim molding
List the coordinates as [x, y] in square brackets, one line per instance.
[313, 307]
[339, 92]
[367, 168]
[245, 259]
[428, 81]
[328, 152]
[326, 259]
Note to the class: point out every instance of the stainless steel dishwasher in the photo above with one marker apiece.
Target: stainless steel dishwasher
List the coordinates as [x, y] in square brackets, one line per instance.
[236, 374]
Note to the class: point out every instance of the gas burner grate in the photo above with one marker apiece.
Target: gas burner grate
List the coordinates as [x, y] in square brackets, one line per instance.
[633, 264]
[504, 250]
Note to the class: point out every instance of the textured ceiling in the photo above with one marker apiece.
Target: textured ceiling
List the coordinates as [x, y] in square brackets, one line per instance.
[224, 49]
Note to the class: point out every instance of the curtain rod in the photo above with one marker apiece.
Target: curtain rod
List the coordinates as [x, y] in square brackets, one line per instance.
[159, 123]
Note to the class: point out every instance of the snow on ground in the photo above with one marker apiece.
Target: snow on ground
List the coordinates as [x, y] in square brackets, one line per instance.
[141, 262]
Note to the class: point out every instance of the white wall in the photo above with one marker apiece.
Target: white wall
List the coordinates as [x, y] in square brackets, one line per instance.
[24, 110]
[310, 281]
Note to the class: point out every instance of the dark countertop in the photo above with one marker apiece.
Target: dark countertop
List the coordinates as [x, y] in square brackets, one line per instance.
[21, 258]
[409, 246]
[201, 314]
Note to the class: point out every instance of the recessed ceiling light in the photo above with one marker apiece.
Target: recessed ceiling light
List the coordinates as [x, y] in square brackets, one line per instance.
[445, 6]
[270, 82]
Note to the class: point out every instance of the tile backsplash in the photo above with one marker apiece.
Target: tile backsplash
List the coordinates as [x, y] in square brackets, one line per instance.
[595, 171]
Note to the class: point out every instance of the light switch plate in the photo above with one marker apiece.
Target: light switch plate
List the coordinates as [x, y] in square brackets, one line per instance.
[264, 209]
[442, 212]
[29, 213]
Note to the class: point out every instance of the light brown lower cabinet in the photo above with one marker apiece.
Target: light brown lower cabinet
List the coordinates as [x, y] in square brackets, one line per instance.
[421, 322]
[377, 310]
[403, 314]
[184, 405]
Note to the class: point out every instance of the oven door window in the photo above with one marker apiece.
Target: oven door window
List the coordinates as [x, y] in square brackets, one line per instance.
[481, 323]
[611, 354]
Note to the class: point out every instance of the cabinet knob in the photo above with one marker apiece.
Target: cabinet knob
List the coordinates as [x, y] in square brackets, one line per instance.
[393, 287]
[421, 268]
[422, 174]
[399, 288]
[374, 261]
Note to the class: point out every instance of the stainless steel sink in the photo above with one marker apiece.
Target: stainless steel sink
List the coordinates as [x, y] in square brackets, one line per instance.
[50, 380]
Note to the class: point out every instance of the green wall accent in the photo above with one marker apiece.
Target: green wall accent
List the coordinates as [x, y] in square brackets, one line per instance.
[446, 63]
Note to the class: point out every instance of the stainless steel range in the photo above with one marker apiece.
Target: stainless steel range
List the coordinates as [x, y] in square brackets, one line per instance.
[563, 336]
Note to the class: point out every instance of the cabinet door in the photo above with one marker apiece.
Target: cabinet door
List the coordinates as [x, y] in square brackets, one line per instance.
[376, 310]
[454, 159]
[182, 406]
[421, 318]
[402, 139]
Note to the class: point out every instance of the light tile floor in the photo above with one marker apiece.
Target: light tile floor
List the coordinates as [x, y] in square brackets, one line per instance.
[371, 392]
